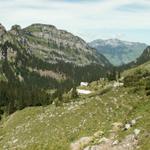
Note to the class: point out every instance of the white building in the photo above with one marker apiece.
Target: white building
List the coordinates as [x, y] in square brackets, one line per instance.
[84, 84]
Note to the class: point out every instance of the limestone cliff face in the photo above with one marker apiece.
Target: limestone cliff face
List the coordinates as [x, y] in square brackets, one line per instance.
[43, 49]
[52, 45]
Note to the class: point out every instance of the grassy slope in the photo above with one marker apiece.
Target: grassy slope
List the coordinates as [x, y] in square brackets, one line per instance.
[143, 67]
[143, 108]
[54, 128]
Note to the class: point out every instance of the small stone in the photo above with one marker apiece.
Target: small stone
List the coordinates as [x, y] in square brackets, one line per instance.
[103, 140]
[127, 126]
[133, 122]
[87, 148]
[115, 142]
[16, 140]
[81, 143]
[137, 131]
[99, 133]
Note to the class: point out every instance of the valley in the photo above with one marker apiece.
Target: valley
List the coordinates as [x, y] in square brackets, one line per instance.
[42, 106]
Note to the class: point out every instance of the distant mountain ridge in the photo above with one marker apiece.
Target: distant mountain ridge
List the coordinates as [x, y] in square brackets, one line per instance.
[118, 52]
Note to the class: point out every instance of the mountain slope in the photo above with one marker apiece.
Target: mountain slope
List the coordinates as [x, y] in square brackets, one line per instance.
[44, 50]
[41, 62]
[117, 51]
[50, 44]
[91, 118]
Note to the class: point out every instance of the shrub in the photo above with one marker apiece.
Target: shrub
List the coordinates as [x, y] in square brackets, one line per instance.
[148, 93]
[74, 93]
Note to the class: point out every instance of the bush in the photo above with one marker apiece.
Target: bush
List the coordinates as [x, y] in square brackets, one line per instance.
[57, 102]
[148, 93]
[74, 93]
[1, 112]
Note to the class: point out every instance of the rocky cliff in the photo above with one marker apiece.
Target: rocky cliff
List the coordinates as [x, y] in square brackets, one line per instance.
[44, 53]
[49, 44]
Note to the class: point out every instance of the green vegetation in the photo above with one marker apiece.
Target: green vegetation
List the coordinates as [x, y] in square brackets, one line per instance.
[39, 111]
[56, 127]
[30, 87]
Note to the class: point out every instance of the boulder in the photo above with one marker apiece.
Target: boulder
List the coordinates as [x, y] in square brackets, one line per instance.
[133, 122]
[127, 126]
[81, 143]
[104, 140]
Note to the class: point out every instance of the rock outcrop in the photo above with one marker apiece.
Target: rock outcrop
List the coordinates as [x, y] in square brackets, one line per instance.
[2, 30]
[53, 45]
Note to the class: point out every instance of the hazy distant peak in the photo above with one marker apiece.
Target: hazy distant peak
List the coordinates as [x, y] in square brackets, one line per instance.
[113, 42]
[117, 51]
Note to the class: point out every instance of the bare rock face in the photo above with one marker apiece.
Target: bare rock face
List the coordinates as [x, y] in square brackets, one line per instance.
[54, 45]
[60, 37]
[2, 30]
[16, 29]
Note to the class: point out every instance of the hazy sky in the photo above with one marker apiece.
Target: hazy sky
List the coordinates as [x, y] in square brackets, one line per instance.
[89, 19]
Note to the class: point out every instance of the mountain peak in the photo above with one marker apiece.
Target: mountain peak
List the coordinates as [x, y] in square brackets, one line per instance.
[52, 45]
[41, 26]
[15, 29]
[113, 42]
[117, 51]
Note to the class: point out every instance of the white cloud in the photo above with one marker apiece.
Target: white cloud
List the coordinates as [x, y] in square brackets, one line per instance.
[82, 18]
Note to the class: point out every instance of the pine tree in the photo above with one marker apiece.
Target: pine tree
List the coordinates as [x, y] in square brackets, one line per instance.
[74, 93]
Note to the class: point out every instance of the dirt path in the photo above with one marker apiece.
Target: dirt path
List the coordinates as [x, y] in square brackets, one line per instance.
[85, 143]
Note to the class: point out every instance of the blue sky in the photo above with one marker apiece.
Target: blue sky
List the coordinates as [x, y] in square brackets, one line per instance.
[90, 19]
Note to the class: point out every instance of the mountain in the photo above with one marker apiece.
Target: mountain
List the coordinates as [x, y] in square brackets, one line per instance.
[42, 59]
[117, 51]
[44, 44]
[51, 45]
[36, 115]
